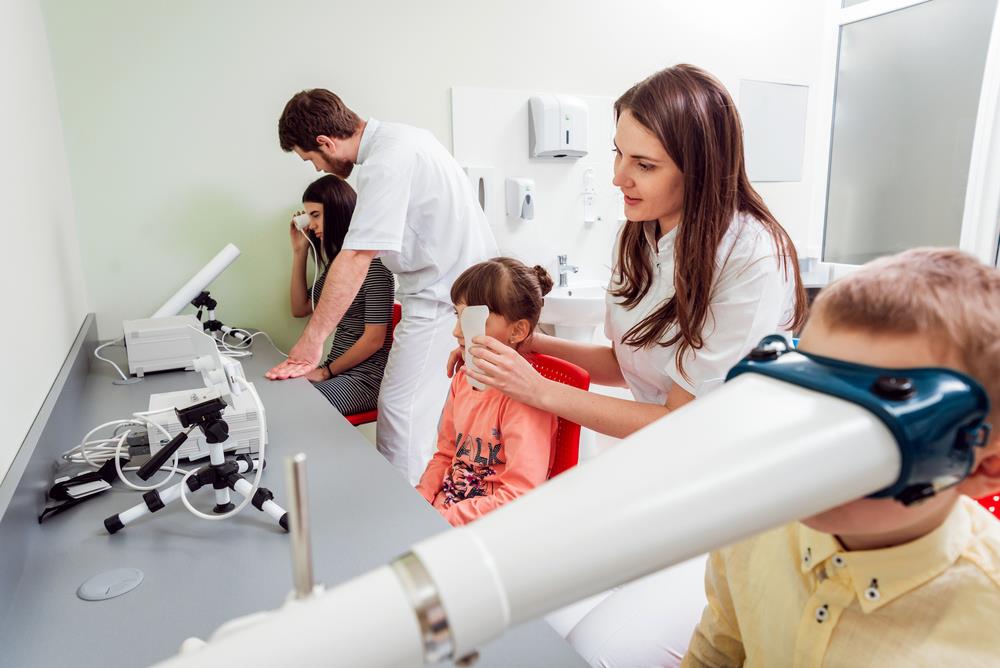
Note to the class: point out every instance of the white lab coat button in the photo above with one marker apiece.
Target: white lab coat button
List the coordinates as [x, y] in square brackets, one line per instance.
[822, 613]
[838, 561]
[807, 557]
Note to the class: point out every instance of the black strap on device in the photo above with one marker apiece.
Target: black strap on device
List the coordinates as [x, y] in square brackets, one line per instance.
[60, 490]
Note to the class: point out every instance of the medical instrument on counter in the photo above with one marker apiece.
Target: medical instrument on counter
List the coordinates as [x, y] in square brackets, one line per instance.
[162, 342]
[473, 322]
[802, 434]
[204, 410]
[242, 413]
[205, 304]
[190, 290]
[69, 491]
[223, 474]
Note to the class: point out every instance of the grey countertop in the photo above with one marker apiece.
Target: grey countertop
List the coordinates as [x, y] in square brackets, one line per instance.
[198, 573]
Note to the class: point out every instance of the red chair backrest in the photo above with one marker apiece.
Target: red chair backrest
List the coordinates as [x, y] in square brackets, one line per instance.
[397, 315]
[567, 439]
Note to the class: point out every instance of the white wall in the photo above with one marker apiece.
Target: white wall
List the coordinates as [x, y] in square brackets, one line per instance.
[170, 109]
[491, 130]
[41, 279]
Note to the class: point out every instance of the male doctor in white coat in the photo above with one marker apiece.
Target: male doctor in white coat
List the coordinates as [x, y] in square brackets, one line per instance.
[416, 211]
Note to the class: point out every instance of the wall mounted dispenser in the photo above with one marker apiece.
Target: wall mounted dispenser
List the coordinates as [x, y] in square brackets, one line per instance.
[557, 127]
[521, 198]
[481, 180]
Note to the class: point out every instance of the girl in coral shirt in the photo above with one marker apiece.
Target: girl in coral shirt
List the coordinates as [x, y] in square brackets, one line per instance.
[491, 448]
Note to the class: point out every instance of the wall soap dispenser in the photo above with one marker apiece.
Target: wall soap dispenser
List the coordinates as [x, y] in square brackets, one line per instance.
[521, 198]
[557, 127]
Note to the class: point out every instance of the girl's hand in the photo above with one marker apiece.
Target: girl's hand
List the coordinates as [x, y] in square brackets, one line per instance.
[318, 375]
[300, 244]
[456, 360]
[504, 368]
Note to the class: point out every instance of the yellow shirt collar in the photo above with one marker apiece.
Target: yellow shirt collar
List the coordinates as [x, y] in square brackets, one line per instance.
[881, 576]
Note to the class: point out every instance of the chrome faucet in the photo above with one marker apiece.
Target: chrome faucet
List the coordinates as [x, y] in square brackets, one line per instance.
[564, 270]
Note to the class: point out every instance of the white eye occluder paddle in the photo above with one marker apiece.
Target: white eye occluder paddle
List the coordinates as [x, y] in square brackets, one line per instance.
[473, 322]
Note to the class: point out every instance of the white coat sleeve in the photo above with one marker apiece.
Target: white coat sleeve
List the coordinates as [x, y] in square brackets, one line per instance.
[379, 219]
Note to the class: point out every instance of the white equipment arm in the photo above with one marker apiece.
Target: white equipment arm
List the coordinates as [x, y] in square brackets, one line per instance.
[199, 281]
[754, 454]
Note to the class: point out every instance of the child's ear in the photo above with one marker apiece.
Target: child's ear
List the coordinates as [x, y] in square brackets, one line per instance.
[519, 331]
[985, 476]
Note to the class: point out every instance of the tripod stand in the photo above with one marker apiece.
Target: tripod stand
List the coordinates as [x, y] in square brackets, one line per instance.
[222, 473]
[204, 302]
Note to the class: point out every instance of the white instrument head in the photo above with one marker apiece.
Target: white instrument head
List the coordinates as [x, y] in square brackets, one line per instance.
[473, 323]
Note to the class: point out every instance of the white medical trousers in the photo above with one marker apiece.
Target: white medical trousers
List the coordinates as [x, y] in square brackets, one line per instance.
[415, 386]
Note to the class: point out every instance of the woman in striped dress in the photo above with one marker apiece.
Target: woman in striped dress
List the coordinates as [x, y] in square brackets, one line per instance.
[352, 373]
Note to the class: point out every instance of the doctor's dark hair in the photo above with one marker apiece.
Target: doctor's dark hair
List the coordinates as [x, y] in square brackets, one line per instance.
[312, 113]
[505, 285]
[338, 199]
[696, 121]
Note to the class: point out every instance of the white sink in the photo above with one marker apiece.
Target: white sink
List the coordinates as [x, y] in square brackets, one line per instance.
[575, 311]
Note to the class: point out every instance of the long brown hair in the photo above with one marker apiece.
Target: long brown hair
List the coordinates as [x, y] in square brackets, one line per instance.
[338, 199]
[696, 121]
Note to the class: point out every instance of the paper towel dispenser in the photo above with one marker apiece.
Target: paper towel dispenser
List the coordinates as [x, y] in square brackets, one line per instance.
[557, 127]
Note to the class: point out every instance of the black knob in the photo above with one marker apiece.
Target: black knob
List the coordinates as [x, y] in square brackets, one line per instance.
[770, 348]
[894, 388]
[217, 431]
[761, 354]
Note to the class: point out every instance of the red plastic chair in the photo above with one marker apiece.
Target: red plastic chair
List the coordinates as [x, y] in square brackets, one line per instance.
[371, 416]
[991, 502]
[566, 449]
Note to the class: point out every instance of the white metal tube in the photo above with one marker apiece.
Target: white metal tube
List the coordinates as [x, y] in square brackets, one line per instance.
[298, 524]
[364, 622]
[755, 454]
[199, 281]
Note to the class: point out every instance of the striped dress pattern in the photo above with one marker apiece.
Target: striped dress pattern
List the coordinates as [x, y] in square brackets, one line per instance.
[356, 389]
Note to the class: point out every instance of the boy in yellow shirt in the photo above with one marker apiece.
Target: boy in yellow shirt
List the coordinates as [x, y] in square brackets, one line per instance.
[874, 582]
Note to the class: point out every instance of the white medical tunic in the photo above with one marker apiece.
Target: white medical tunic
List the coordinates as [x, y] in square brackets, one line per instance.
[416, 208]
[752, 296]
[649, 621]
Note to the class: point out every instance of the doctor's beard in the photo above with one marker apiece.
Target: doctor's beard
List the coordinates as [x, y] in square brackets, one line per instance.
[340, 168]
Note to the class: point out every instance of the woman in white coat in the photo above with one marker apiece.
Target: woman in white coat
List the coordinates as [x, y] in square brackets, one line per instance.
[702, 271]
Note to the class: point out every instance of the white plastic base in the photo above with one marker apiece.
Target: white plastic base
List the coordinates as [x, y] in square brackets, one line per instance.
[160, 344]
[242, 417]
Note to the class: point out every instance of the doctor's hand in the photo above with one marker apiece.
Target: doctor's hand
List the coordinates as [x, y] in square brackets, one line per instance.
[302, 358]
[456, 360]
[505, 369]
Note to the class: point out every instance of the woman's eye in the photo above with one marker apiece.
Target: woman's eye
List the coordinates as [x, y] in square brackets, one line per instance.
[645, 167]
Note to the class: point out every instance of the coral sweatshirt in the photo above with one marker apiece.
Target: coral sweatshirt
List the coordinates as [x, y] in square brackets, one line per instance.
[491, 449]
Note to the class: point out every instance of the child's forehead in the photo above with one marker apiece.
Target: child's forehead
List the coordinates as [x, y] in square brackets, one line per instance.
[885, 348]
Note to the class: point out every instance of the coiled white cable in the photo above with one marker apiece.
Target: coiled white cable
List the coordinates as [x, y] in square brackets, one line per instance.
[242, 349]
[95, 453]
[315, 257]
[260, 468]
